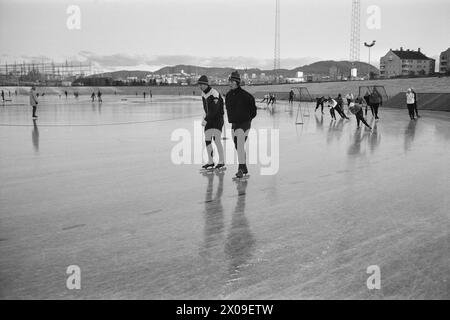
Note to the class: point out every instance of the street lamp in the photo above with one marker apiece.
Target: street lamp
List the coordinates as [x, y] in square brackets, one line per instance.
[369, 46]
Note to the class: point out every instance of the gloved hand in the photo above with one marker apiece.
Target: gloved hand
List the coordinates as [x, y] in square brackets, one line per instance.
[204, 123]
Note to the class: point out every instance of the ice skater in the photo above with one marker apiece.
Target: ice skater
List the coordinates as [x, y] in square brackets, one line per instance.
[291, 97]
[375, 102]
[349, 97]
[410, 102]
[339, 107]
[331, 105]
[33, 101]
[319, 103]
[3, 96]
[367, 99]
[266, 98]
[65, 92]
[272, 99]
[357, 109]
[93, 96]
[144, 95]
[213, 122]
[241, 110]
[99, 96]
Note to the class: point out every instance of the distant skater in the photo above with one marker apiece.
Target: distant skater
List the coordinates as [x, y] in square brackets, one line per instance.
[3, 96]
[367, 99]
[151, 95]
[410, 102]
[291, 97]
[93, 96]
[99, 96]
[65, 92]
[319, 103]
[33, 101]
[357, 109]
[241, 110]
[375, 102]
[340, 102]
[340, 108]
[144, 94]
[266, 98]
[349, 97]
[213, 122]
[272, 99]
[331, 105]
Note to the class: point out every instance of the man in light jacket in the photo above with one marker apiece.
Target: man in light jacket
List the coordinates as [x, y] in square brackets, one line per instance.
[33, 101]
[410, 102]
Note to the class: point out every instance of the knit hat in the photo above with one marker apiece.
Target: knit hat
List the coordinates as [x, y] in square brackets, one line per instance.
[235, 76]
[203, 80]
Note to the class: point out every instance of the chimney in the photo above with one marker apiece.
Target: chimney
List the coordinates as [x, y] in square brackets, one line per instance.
[401, 48]
[418, 49]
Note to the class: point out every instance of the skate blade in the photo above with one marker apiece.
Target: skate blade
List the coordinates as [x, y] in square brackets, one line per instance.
[245, 177]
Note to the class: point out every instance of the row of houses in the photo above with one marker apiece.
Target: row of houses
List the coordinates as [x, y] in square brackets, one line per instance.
[410, 62]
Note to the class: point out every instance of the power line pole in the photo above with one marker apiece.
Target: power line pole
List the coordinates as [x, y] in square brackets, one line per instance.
[276, 59]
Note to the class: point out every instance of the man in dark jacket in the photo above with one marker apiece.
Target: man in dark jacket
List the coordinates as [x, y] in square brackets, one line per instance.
[241, 109]
[376, 101]
[213, 121]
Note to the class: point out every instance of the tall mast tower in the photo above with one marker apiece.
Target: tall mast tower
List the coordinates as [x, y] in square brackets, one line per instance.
[355, 30]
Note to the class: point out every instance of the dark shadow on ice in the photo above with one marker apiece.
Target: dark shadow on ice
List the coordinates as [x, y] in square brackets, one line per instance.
[335, 130]
[240, 241]
[374, 138]
[358, 137]
[35, 136]
[213, 215]
[319, 122]
[410, 133]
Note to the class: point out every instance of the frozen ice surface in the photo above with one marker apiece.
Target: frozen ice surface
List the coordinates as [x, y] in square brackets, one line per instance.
[95, 186]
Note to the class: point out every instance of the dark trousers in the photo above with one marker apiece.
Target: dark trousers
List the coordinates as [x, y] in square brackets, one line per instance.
[319, 105]
[411, 111]
[333, 115]
[34, 111]
[341, 113]
[415, 109]
[371, 109]
[375, 107]
[360, 117]
[245, 127]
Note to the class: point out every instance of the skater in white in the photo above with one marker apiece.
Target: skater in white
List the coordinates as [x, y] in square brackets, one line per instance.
[213, 121]
[33, 101]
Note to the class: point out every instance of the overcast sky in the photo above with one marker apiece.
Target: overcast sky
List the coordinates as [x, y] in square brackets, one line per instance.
[145, 35]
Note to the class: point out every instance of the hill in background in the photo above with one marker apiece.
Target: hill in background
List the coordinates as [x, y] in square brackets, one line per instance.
[319, 68]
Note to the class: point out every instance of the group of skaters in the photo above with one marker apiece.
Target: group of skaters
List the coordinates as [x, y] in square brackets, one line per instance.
[99, 96]
[269, 98]
[241, 110]
[356, 106]
[9, 94]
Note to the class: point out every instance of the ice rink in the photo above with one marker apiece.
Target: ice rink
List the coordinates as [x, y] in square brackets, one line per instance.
[95, 186]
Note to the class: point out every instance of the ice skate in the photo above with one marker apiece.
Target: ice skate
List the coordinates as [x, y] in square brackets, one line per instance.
[207, 167]
[220, 167]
